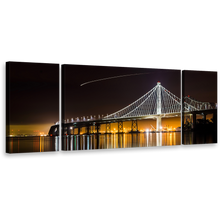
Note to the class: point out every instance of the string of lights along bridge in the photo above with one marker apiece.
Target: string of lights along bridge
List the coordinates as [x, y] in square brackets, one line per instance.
[156, 104]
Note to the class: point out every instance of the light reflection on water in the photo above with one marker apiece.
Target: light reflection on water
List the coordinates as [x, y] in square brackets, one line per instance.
[103, 141]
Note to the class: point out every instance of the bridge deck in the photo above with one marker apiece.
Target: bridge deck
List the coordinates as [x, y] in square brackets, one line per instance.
[90, 122]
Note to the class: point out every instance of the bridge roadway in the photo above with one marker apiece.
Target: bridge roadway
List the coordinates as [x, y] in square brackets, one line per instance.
[55, 129]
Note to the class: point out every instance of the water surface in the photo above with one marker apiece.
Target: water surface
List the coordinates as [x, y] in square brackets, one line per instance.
[103, 141]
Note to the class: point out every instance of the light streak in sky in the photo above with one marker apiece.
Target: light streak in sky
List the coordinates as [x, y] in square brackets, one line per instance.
[113, 77]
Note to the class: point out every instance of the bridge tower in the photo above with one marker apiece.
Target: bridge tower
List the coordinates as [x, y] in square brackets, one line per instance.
[158, 98]
[158, 106]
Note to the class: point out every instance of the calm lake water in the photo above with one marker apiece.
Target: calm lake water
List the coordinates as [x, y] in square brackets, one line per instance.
[103, 141]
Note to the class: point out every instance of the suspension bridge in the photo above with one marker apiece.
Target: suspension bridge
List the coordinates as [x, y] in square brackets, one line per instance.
[156, 104]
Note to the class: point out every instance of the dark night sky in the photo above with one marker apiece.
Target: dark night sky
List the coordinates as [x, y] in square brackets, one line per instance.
[34, 89]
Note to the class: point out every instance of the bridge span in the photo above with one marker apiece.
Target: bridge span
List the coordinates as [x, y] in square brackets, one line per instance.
[158, 103]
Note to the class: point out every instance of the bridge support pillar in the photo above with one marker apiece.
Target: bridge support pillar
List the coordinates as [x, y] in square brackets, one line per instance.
[88, 130]
[204, 118]
[134, 126]
[98, 128]
[120, 127]
[159, 124]
[68, 130]
[194, 120]
[190, 118]
[108, 128]
[78, 130]
[92, 129]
